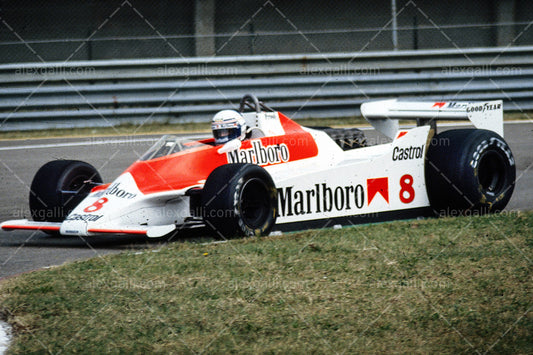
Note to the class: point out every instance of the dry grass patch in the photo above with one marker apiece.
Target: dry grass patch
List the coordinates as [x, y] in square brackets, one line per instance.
[441, 285]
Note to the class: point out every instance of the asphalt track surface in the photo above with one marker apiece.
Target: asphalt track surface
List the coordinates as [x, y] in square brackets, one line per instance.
[23, 251]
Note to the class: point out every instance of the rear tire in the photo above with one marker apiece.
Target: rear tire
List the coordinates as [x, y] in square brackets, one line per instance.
[469, 171]
[48, 203]
[240, 200]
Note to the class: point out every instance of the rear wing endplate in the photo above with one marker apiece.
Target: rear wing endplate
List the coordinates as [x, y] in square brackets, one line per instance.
[384, 115]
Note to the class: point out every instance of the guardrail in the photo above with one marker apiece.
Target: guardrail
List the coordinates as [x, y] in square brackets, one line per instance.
[105, 93]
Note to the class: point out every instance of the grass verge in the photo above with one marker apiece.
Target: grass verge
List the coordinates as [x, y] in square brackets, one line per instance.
[450, 285]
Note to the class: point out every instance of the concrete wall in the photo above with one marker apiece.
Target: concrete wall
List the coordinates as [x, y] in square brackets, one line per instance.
[94, 19]
[297, 18]
[52, 30]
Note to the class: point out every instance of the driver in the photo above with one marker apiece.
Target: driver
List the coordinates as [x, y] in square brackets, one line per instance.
[228, 125]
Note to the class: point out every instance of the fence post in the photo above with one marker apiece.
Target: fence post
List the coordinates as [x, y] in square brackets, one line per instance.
[204, 19]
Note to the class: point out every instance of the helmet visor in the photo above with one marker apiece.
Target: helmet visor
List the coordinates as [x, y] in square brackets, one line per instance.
[225, 132]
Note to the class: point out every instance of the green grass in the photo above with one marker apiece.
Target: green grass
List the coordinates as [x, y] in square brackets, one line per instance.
[451, 285]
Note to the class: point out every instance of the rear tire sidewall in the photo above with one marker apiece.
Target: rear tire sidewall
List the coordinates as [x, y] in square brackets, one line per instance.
[469, 171]
[240, 200]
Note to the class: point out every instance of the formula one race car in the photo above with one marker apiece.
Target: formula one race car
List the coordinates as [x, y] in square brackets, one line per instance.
[290, 177]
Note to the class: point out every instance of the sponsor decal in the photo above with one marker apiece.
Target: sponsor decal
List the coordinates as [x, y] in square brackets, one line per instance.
[259, 154]
[378, 186]
[115, 190]
[321, 198]
[83, 217]
[408, 153]
[401, 134]
[492, 142]
[439, 104]
[324, 198]
[484, 107]
[457, 105]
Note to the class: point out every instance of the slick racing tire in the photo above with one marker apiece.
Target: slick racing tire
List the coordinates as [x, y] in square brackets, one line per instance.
[239, 200]
[58, 187]
[469, 171]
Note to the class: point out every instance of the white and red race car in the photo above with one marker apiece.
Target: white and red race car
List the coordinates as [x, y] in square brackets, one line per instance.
[294, 177]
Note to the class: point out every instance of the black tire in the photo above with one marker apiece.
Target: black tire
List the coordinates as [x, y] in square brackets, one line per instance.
[240, 200]
[469, 171]
[48, 203]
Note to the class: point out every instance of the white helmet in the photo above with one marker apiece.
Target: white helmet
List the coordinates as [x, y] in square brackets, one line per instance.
[228, 125]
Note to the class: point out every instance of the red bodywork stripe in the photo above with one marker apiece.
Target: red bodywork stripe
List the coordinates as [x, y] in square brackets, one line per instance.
[100, 187]
[116, 231]
[184, 169]
[40, 228]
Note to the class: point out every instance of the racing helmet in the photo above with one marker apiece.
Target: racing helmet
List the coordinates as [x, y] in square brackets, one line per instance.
[228, 125]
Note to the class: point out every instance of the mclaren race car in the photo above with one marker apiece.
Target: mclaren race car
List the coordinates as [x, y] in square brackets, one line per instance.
[288, 177]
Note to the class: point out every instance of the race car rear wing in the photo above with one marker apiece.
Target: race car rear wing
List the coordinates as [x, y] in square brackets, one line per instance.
[384, 115]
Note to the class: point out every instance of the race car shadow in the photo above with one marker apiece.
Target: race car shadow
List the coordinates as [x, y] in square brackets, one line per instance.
[118, 242]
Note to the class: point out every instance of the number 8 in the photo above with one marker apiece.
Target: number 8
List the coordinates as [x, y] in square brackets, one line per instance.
[406, 184]
[96, 206]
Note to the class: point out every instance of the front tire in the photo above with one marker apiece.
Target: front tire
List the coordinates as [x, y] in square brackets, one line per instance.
[58, 187]
[469, 171]
[240, 200]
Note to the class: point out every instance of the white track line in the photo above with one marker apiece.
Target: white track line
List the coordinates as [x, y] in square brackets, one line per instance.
[102, 141]
[88, 143]
[4, 337]
[75, 144]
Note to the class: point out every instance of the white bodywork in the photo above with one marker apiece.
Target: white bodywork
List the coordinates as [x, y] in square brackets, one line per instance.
[384, 115]
[154, 214]
[333, 184]
[355, 182]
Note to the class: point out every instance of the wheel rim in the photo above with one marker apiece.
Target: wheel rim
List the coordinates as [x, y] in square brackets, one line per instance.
[73, 188]
[491, 173]
[76, 183]
[255, 206]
